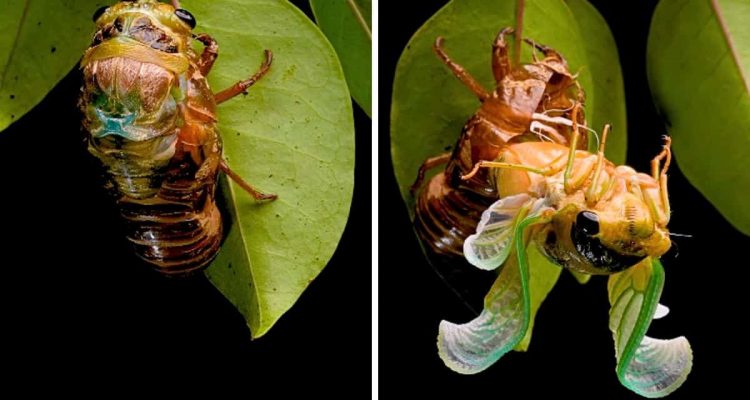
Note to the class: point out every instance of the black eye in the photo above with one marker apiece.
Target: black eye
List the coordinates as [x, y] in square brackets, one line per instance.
[98, 13]
[587, 222]
[185, 16]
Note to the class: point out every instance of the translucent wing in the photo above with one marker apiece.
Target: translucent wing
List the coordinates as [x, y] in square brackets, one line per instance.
[647, 366]
[489, 247]
[472, 347]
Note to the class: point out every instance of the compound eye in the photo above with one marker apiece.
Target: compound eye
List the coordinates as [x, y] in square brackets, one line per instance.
[588, 223]
[186, 17]
[98, 13]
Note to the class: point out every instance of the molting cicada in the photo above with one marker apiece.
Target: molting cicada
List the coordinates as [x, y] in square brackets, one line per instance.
[529, 102]
[151, 121]
[586, 215]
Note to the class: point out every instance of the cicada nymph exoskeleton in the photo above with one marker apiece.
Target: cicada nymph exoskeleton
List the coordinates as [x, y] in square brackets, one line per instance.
[151, 121]
[586, 215]
[530, 101]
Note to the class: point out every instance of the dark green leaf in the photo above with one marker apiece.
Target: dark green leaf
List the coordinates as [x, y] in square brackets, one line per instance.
[347, 25]
[291, 135]
[40, 41]
[604, 65]
[698, 68]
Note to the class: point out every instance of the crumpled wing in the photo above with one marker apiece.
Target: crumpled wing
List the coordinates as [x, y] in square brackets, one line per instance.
[472, 347]
[650, 367]
[489, 247]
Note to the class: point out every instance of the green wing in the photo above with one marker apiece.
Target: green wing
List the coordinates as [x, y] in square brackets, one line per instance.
[472, 347]
[650, 367]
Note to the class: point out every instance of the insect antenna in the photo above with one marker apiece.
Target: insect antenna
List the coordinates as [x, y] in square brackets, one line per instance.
[685, 235]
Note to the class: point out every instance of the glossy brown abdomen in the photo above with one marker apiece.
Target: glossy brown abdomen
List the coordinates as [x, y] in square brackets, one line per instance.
[179, 229]
[448, 208]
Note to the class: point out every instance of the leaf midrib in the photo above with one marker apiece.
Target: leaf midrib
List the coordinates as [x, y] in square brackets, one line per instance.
[249, 261]
[360, 18]
[730, 43]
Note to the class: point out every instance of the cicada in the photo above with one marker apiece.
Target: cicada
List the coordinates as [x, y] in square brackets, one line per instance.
[529, 102]
[150, 118]
[586, 215]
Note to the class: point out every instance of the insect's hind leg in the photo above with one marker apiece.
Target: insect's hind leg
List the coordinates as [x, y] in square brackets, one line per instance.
[242, 86]
[257, 194]
[427, 165]
[210, 53]
[460, 72]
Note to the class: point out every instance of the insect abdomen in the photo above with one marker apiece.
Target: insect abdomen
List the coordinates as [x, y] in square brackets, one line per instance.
[449, 209]
[173, 234]
[160, 154]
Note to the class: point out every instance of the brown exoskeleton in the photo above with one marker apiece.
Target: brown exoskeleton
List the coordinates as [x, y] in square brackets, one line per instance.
[530, 102]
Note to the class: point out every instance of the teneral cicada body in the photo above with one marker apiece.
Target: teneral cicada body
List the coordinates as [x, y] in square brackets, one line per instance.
[530, 102]
[587, 215]
[151, 121]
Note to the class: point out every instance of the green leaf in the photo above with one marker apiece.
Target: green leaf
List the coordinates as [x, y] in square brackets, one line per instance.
[543, 276]
[347, 24]
[609, 91]
[698, 69]
[40, 41]
[430, 106]
[291, 135]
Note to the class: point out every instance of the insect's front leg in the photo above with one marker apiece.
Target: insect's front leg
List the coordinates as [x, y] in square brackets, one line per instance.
[460, 72]
[427, 165]
[242, 86]
[500, 60]
[210, 52]
[659, 202]
[227, 94]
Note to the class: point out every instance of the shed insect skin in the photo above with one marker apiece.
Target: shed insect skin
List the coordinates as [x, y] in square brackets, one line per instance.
[150, 119]
[530, 102]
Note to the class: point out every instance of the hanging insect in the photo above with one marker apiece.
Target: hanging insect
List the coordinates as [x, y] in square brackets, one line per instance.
[150, 119]
[530, 102]
[586, 215]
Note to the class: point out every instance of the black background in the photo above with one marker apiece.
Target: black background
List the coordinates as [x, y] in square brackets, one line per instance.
[571, 353]
[77, 304]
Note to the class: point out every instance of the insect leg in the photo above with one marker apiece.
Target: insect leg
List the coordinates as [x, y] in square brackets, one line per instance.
[548, 51]
[427, 165]
[661, 176]
[257, 194]
[241, 86]
[567, 183]
[460, 72]
[591, 193]
[210, 52]
[500, 61]
[498, 164]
